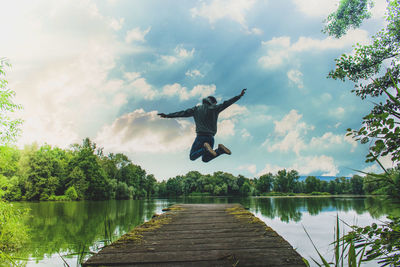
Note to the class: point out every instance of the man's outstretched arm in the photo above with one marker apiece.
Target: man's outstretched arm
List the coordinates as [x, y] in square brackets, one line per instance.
[229, 102]
[183, 113]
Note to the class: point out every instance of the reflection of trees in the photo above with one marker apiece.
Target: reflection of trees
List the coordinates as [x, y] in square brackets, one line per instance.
[290, 209]
[287, 209]
[70, 227]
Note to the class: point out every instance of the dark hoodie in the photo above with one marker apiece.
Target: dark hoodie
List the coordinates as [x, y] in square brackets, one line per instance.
[206, 115]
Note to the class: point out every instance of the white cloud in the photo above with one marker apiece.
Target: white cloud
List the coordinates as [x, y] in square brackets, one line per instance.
[62, 76]
[316, 8]
[251, 168]
[256, 31]
[141, 131]
[233, 111]
[289, 134]
[296, 78]
[138, 86]
[136, 35]
[350, 140]
[280, 50]
[220, 9]
[227, 9]
[289, 123]
[316, 164]
[226, 128]
[116, 24]
[292, 141]
[327, 140]
[271, 169]
[194, 73]
[200, 91]
[180, 54]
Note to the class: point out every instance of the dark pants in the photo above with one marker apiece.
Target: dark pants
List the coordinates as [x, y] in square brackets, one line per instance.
[198, 149]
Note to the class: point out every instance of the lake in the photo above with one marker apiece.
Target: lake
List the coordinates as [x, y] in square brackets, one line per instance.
[61, 231]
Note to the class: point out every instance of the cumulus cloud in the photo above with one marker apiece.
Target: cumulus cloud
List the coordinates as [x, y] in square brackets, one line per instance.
[329, 140]
[280, 50]
[138, 86]
[251, 168]
[296, 78]
[136, 35]
[316, 164]
[116, 24]
[316, 8]
[141, 131]
[62, 76]
[179, 54]
[200, 91]
[271, 169]
[233, 111]
[226, 128]
[226, 9]
[313, 165]
[289, 134]
[194, 73]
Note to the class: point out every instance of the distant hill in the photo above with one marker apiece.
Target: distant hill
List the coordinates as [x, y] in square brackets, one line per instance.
[322, 178]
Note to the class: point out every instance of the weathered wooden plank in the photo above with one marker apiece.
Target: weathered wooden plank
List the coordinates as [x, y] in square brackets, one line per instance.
[200, 235]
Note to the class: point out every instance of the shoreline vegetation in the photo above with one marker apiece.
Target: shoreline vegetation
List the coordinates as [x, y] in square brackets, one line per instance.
[83, 172]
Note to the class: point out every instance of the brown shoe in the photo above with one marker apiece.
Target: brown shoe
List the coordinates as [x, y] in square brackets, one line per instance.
[210, 150]
[224, 149]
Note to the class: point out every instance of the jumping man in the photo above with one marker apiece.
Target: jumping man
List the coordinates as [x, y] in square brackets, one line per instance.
[205, 116]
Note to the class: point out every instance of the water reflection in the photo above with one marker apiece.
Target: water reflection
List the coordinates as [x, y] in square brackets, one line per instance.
[291, 209]
[71, 227]
[74, 227]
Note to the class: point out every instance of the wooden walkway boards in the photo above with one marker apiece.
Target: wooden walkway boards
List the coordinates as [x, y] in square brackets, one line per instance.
[200, 235]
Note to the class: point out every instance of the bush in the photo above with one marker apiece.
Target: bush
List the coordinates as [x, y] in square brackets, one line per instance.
[71, 193]
[13, 231]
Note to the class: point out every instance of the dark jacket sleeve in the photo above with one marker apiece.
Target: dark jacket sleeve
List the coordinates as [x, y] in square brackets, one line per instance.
[184, 113]
[227, 103]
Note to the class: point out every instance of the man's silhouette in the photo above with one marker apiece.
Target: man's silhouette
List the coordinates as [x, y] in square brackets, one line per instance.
[205, 116]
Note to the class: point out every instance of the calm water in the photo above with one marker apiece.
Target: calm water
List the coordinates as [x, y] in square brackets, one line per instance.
[60, 230]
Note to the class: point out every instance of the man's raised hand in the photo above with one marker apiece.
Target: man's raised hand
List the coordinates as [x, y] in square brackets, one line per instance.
[243, 92]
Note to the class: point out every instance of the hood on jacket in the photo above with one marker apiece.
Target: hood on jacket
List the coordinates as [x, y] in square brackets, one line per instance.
[210, 100]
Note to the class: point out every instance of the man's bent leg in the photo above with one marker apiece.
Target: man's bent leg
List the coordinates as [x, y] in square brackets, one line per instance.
[197, 149]
[208, 156]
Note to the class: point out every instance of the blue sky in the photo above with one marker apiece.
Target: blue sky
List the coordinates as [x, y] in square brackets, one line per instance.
[104, 69]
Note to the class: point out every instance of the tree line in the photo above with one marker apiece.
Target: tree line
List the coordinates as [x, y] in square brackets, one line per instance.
[84, 172]
[284, 182]
[81, 172]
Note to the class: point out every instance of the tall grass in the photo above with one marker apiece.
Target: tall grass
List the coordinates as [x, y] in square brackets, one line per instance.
[13, 232]
[344, 251]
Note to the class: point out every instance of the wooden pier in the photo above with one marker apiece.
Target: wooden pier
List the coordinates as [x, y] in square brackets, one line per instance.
[200, 235]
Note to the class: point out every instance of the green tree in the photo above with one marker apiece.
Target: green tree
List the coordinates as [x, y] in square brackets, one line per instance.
[375, 70]
[9, 127]
[285, 181]
[349, 14]
[43, 174]
[312, 184]
[357, 185]
[77, 179]
[264, 183]
[88, 161]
